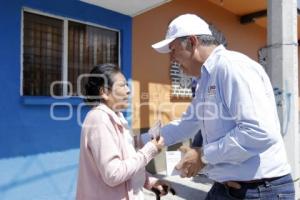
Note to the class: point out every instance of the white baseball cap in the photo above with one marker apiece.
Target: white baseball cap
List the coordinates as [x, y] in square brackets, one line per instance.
[183, 25]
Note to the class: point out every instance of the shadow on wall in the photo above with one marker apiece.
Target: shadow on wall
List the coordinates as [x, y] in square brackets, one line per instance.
[41, 176]
[35, 131]
[40, 159]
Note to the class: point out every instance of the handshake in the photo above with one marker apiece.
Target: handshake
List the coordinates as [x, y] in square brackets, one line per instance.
[156, 137]
[190, 163]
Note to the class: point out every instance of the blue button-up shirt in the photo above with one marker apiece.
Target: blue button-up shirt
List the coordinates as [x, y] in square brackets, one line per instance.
[235, 110]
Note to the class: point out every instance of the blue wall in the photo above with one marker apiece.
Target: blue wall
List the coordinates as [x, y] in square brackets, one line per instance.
[39, 155]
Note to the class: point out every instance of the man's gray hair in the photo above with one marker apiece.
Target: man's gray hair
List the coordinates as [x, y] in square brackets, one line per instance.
[216, 38]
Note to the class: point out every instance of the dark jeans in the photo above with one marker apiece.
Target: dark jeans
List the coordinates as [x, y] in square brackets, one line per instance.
[278, 188]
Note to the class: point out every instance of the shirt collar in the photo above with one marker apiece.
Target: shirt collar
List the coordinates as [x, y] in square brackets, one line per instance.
[117, 117]
[209, 63]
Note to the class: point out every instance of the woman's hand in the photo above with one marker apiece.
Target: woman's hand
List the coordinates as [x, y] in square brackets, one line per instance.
[161, 188]
[154, 131]
[158, 142]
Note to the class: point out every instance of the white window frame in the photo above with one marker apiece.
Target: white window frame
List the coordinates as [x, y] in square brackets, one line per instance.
[65, 44]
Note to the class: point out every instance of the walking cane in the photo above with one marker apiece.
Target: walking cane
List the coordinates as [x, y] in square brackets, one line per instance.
[165, 188]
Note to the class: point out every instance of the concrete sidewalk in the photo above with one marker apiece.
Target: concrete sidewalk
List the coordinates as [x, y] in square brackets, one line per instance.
[186, 188]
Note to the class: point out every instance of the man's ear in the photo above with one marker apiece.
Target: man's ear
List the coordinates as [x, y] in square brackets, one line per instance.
[193, 42]
[103, 93]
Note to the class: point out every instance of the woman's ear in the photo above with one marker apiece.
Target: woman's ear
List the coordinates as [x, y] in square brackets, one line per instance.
[103, 93]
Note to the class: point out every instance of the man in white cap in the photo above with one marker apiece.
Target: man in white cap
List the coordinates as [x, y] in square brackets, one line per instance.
[234, 107]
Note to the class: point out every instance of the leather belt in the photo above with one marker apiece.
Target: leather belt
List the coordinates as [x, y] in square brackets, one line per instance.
[251, 182]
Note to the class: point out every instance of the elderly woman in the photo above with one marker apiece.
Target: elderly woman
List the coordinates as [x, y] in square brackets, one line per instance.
[109, 166]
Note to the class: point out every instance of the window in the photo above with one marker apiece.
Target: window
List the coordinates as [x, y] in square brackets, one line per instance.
[60, 50]
[42, 55]
[87, 47]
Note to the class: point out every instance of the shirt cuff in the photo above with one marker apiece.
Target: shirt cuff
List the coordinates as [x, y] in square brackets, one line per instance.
[203, 158]
[149, 151]
[210, 154]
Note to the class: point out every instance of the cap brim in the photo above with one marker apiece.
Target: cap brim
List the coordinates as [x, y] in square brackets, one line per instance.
[163, 46]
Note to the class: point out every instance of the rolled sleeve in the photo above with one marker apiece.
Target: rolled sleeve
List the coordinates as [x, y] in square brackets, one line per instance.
[149, 151]
[225, 150]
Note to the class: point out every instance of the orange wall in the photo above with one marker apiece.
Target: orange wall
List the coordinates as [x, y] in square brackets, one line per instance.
[151, 80]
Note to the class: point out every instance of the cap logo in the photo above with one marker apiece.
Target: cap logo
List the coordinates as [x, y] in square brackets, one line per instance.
[171, 32]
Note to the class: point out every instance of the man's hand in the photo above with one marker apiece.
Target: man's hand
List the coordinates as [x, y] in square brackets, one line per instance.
[191, 162]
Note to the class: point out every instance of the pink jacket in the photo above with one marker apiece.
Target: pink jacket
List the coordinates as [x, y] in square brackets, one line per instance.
[105, 166]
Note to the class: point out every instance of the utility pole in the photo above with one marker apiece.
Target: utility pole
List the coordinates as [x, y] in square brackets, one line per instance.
[282, 67]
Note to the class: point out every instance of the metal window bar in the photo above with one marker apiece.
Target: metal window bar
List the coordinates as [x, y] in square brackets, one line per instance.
[41, 54]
